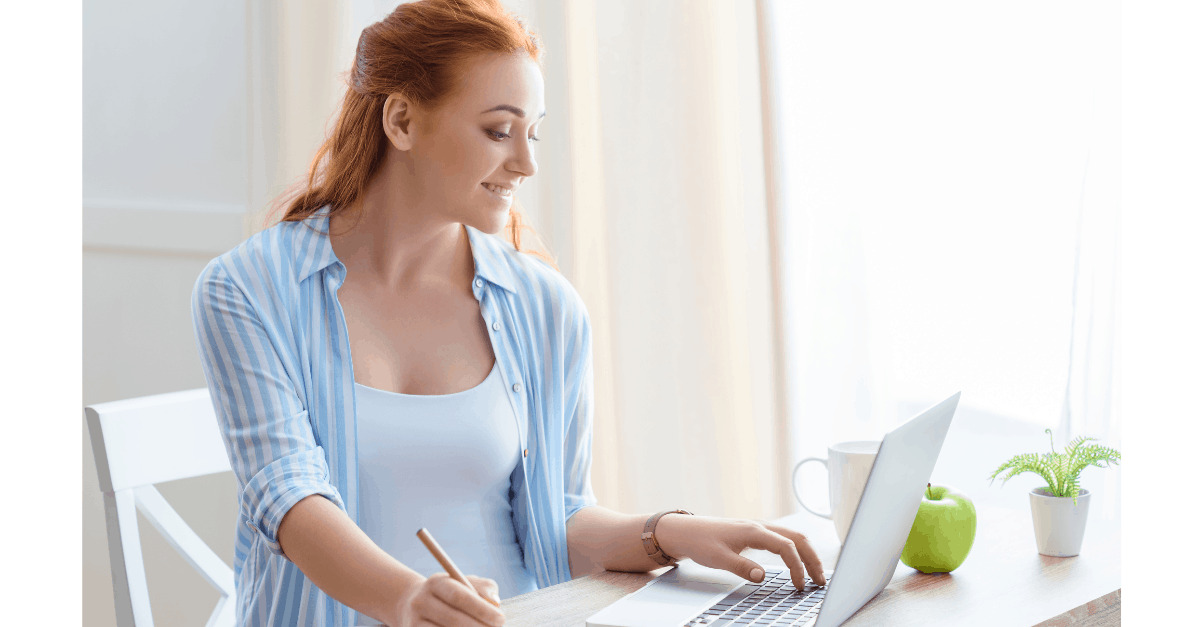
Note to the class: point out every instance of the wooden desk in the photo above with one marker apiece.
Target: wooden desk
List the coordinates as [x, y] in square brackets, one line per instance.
[1004, 581]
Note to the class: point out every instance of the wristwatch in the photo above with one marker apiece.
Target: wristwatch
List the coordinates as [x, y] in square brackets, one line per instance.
[651, 543]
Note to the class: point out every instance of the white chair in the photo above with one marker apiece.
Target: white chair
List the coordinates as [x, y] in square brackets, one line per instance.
[140, 442]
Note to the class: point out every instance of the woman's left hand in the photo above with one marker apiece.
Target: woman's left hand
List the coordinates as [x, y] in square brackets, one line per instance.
[719, 542]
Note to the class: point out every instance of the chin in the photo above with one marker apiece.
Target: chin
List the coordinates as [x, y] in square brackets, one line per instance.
[490, 225]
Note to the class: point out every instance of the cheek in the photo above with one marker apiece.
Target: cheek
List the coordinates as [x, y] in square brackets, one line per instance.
[471, 158]
[458, 162]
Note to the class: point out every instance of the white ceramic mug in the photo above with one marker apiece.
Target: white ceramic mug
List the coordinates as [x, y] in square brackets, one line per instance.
[849, 465]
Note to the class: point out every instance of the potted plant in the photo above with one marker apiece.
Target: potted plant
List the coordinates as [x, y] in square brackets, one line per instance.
[1060, 508]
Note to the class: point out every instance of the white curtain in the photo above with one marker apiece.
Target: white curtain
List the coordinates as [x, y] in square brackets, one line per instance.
[944, 181]
[665, 234]
[651, 193]
[950, 213]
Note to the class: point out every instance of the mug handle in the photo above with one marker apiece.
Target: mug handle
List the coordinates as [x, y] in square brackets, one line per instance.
[797, 492]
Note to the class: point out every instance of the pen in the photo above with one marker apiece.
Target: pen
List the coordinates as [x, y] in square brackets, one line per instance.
[446, 562]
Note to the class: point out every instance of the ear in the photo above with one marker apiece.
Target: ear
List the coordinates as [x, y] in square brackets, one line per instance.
[397, 121]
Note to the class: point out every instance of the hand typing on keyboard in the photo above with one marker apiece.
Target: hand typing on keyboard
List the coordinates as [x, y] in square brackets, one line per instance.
[775, 601]
[718, 543]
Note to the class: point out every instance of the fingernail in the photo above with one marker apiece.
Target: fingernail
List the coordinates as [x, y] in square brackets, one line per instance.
[756, 575]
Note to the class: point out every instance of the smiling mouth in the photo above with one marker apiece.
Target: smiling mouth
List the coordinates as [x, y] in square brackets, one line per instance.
[498, 191]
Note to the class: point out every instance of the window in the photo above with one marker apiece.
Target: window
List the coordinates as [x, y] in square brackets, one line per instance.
[949, 185]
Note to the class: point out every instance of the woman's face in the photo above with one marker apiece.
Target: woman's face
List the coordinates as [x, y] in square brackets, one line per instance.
[482, 136]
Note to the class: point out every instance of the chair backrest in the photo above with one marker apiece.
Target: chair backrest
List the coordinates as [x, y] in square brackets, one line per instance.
[137, 443]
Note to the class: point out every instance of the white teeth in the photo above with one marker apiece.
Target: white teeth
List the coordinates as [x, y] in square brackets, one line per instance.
[499, 190]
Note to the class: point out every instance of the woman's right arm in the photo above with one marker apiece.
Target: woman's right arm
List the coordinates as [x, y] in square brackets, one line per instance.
[343, 561]
[284, 474]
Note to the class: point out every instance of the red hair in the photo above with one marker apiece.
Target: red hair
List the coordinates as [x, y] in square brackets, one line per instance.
[418, 50]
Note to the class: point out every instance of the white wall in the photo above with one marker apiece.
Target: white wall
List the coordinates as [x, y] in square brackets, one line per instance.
[165, 184]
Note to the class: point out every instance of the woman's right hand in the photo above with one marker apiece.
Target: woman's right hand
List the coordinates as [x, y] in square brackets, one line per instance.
[442, 601]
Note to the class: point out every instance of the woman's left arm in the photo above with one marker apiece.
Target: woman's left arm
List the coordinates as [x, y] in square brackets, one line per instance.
[600, 539]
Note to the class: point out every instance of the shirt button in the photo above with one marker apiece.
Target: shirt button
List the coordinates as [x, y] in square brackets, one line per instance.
[478, 283]
[516, 387]
[495, 326]
[525, 453]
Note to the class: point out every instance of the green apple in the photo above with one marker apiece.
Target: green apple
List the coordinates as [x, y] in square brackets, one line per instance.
[943, 532]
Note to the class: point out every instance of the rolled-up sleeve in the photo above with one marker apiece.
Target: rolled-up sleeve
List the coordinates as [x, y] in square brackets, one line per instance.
[577, 445]
[263, 421]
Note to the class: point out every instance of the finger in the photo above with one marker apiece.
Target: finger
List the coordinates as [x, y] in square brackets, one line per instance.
[487, 587]
[762, 538]
[745, 568]
[808, 554]
[456, 604]
[439, 612]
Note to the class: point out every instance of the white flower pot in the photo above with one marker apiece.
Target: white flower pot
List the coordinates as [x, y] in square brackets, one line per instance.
[1058, 523]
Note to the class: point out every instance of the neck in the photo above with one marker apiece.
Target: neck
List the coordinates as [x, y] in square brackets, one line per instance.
[400, 249]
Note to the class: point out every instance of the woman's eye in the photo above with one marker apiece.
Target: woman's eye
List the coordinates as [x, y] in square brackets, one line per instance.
[498, 136]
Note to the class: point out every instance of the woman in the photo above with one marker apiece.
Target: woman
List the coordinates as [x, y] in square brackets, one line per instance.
[380, 361]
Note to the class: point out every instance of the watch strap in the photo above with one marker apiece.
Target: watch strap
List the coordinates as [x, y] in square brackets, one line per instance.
[650, 542]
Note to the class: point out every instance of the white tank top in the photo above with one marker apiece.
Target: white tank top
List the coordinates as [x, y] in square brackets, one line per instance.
[442, 462]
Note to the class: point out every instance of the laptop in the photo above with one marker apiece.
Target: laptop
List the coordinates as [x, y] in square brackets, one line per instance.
[692, 594]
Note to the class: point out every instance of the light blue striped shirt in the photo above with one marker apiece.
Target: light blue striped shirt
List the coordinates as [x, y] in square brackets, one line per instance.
[273, 343]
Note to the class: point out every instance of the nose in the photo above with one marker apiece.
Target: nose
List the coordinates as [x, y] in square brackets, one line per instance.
[523, 161]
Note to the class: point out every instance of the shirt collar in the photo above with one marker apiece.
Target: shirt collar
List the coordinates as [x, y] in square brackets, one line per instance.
[491, 260]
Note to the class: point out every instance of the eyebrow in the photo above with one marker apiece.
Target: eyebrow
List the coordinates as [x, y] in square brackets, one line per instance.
[511, 109]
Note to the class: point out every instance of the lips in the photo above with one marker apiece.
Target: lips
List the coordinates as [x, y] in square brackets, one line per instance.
[498, 190]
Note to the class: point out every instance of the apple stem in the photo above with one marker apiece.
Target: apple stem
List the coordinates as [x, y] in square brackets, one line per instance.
[929, 490]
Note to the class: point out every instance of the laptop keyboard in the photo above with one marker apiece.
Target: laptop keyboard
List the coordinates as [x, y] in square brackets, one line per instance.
[775, 601]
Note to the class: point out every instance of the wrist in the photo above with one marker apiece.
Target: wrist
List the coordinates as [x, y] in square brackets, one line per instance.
[669, 532]
[403, 592]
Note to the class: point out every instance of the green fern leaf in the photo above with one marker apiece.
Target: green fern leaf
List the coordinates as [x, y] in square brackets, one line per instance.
[1072, 489]
[1020, 464]
[1074, 445]
[1099, 456]
[1061, 470]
